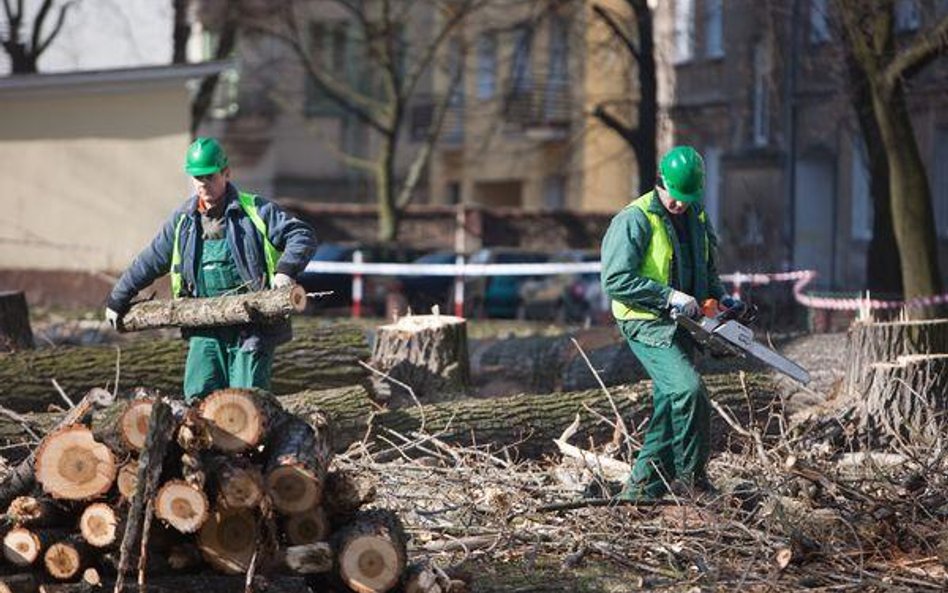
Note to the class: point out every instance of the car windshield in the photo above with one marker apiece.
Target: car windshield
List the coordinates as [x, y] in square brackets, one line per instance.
[520, 258]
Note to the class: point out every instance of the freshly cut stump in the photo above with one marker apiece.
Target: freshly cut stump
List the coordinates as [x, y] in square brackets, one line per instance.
[21, 547]
[296, 470]
[307, 527]
[907, 399]
[871, 342]
[239, 418]
[100, 525]
[181, 505]
[426, 352]
[127, 479]
[370, 552]
[228, 540]
[70, 464]
[66, 559]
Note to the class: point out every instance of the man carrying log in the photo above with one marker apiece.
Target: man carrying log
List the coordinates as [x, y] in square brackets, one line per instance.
[221, 241]
[657, 255]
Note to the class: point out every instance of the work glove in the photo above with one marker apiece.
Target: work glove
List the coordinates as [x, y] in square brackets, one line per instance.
[113, 317]
[730, 302]
[685, 304]
[282, 281]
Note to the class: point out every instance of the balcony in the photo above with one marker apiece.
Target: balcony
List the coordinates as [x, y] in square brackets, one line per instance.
[541, 113]
[421, 115]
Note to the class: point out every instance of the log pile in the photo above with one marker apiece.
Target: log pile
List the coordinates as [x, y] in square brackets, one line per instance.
[235, 485]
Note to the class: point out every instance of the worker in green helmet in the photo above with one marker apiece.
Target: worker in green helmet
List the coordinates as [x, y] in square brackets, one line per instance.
[657, 255]
[221, 241]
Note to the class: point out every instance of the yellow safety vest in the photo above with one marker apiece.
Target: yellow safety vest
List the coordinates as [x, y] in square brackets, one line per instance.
[271, 254]
[656, 264]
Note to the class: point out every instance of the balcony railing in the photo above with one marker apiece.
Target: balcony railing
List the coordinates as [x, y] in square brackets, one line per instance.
[544, 107]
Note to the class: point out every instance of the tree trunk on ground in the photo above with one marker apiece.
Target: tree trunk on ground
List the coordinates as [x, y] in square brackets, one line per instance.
[880, 342]
[254, 307]
[320, 358]
[371, 552]
[426, 352]
[15, 331]
[526, 423]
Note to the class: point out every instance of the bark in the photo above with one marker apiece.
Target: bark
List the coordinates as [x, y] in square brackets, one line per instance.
[71, 465]
[426, 352]
[371, 552]
[22, 479]
[319, 358]
[526, 424]
[15, 331]
[265, 306]
[346, 493]
[907, 400]
[298, 459]
[870, 343]
[311, 558]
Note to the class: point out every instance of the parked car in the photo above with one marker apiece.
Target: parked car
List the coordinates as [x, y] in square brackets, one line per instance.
[423, 292]
[565, 297]
[499, 296]
[375, 288]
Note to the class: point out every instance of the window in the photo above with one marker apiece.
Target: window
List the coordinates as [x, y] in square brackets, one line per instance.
[940, 181]
[224, 102]
[554, 192]
[714, 28]
[521, 75]
[712, 184]
[761, 94]
[819, 22]
[907, 17]
[684, 30]
[555, 100]
[861, 226]
[330, 49]
[486, 66]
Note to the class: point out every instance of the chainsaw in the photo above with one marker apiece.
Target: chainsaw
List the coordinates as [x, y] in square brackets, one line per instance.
[723, 333]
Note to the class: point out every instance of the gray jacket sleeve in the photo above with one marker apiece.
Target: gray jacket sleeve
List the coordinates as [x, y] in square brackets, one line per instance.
[153, 262]
[295, 238]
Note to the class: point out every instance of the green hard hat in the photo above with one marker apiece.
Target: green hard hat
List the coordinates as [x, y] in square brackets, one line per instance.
[682, 171]
[205, 156]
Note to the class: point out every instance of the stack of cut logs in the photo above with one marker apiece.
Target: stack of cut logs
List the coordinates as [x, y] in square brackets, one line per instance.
[237, 484]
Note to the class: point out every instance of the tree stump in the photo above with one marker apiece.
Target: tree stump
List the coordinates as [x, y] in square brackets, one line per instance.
[370, 552]
[907, 399]
[15, 331]
[871, 342]
[426, 352]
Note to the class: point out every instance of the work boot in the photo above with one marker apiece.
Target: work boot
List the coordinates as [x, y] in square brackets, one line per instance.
[697, 490]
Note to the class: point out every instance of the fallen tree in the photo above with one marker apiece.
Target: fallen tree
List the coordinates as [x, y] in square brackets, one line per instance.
[318, 357]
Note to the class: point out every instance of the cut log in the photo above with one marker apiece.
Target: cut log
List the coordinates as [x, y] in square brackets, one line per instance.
[205, 583]
[100, 525]
[254, 307]
[228, 540]
[371, 552]
[426, 352]
[32, 511]
[526, 423]
[22, 479]
[18, 583]
[239, 419]
[314, 558]
[65, 560]
[325, 355]
[71, 465]
[907, 399]
[307, 527]
[299, 456]
[239, 483]
[127, 479]
[21, 546]
[15, 331]
[123, 425]
[182, 506]
[872, 342]
[346, 493]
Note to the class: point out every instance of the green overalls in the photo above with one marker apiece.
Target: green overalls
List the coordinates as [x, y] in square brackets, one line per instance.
[215, 358]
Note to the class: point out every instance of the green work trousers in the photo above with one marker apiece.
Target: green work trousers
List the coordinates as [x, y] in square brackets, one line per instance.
[216, 358]
[677, 441]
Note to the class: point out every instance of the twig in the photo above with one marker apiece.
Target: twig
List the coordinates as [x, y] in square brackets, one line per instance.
[118, 366]
[411, 392]
[20, 420]
[620, 423]
[63, 394]
[753, 436]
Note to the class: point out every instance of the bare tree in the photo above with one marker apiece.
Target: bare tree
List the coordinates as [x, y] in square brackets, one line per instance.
[637, 38]
[391, 58]
[869, 35]
[24, 52]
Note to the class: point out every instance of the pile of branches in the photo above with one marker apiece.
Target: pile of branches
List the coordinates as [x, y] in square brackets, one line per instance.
[238, 486]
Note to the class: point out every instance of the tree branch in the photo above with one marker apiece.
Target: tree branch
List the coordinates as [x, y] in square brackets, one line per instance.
[923, 50]
[59, 25]
[38, 26]
[628, 133]
[618, 31]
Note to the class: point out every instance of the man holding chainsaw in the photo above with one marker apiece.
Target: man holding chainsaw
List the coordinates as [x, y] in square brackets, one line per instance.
[221, 241]
[658, 259]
